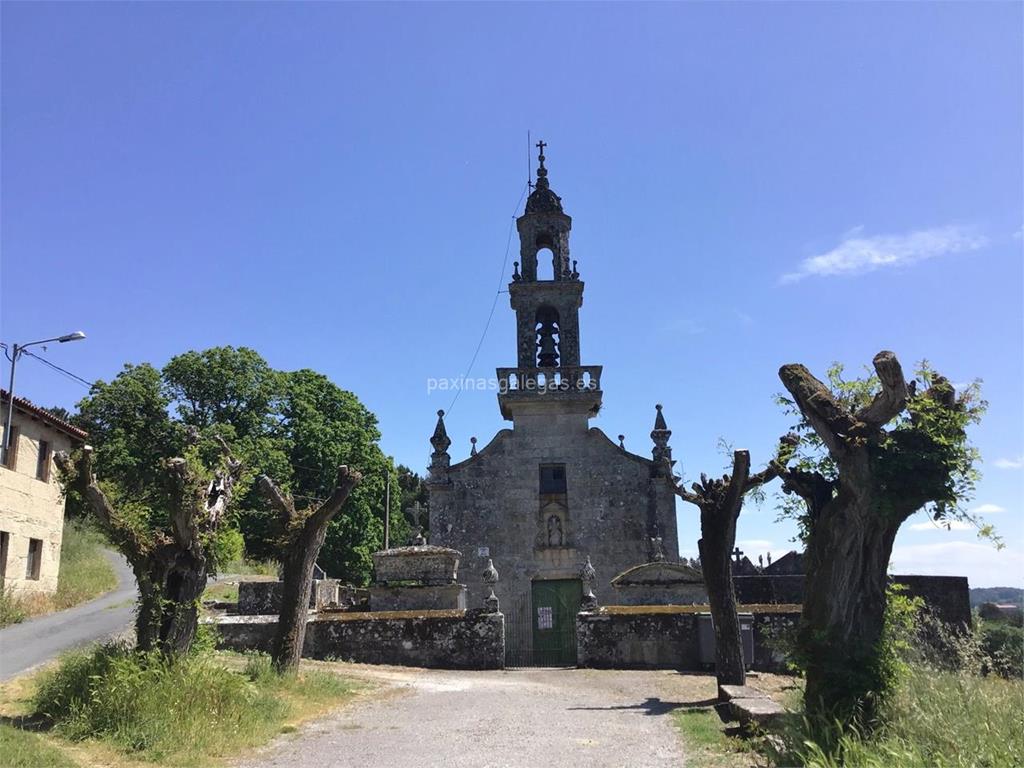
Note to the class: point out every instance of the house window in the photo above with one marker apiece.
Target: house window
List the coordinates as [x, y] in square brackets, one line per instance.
[552, 478]
[11, 459]
[35, 559]
[43, 462]
[5, 539]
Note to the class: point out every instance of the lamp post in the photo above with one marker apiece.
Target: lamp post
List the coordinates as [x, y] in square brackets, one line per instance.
[16, 353]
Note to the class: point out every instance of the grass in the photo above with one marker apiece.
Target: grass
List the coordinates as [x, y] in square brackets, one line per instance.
[85, 573]
[224, 592]
[245, 567]
[707, 743]
[23, 749]
[934, 719]
[111, 705]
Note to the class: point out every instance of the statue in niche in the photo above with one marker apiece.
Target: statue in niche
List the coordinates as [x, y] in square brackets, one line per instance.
[555, 534]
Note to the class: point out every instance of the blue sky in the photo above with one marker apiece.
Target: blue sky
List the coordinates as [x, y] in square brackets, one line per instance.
[332, 184]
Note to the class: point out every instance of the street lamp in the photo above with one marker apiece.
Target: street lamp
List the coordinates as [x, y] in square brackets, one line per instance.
[16, 353]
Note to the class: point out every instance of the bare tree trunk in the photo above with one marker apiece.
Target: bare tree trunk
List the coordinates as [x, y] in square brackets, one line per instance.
[304, 536]
[720, 502]
[714, 559]
[844, 609]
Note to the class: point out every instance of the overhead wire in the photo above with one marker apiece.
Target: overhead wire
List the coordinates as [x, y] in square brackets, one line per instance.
[494, 304]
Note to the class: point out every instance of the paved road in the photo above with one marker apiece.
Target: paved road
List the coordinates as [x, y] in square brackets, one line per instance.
[36, 641]
[520, 718]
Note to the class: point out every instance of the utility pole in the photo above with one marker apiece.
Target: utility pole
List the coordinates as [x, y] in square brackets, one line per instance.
[387, 511]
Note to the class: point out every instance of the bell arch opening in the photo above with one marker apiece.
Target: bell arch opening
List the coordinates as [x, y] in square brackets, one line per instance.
[548, 330]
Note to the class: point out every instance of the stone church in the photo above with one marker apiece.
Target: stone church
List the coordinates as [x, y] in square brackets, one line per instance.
[549, 493]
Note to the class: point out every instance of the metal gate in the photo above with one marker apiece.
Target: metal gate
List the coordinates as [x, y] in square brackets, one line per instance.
[540, 628]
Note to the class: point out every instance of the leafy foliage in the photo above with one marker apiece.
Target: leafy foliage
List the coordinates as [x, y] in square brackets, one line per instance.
[297, 427]
[925, 451]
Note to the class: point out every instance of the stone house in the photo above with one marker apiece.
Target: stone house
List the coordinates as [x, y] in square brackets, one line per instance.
[544, 496]
[31, 501]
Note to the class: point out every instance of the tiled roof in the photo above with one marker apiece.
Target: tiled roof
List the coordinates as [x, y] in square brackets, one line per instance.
[42, 414]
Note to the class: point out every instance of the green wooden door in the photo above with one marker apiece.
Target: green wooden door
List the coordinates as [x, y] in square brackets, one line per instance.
[555, 605]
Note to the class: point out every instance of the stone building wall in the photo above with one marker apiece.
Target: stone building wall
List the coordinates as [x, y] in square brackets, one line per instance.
[440, 639]
[31, 508]
[491, 508]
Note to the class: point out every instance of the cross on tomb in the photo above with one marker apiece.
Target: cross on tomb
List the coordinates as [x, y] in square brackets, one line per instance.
[737, 553]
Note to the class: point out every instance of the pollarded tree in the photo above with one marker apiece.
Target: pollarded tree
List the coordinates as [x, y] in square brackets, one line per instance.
[720, 502]
[169, 540]
[302, 534]
[887, 451]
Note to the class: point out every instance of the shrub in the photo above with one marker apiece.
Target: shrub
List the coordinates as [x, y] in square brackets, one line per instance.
[228, 547]
[1003, 644]
[174, 710]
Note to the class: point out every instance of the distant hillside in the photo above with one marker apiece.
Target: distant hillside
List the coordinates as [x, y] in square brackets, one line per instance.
[1012, 595]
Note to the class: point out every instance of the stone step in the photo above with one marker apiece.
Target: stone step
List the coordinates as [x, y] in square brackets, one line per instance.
[760, 711]
[730, 692]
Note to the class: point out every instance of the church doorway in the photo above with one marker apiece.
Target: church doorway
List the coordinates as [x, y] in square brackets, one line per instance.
[542, 632]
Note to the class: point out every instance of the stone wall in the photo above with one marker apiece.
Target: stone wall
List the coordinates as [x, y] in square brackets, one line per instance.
[441, 639]
[263, 598]
[756, 590]
[665, 637]
[948, 597]
[636, 640]
[31, 508]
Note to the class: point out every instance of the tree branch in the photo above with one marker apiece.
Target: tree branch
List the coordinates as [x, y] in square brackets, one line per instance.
[828, 419]
[346, 480]
[284, 505]
[893, 397]
[97, 499]
[736, 486]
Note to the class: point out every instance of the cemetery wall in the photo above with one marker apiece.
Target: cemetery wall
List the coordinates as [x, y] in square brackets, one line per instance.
[441, 639]
[665, 637]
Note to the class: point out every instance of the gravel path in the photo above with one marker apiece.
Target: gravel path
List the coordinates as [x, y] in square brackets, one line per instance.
[527, 718]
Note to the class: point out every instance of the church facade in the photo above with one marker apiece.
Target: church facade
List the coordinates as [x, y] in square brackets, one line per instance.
[543, 497]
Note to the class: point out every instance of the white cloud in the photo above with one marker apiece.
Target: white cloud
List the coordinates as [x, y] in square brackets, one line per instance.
[982, 564]
[857, 254]
[1016, 463]
[987, 509]
[953, 525]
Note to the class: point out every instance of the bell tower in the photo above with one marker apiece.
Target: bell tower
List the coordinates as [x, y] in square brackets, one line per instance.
[548, 375]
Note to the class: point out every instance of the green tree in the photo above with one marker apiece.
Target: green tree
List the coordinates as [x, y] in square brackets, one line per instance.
[874, 451]
[296, 427]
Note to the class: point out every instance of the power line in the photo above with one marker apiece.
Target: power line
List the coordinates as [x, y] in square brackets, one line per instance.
[494, 304]
[69, 374]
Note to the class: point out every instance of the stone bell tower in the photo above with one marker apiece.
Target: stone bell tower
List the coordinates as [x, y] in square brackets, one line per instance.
[548, 378]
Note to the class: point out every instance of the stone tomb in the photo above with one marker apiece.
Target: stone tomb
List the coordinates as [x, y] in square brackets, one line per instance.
[418, 577]
[660, 583]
